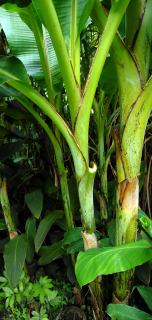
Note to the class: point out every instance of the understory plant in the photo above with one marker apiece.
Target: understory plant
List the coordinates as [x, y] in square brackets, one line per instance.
[69, 87]
[37, 296]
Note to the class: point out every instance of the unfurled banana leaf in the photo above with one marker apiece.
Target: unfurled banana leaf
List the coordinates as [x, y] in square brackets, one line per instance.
[18, 35]
[63, 9]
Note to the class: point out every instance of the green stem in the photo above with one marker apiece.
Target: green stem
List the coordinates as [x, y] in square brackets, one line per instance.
[134, 130]
[102, 162]
[126, 231]
[7, 210]
[129, 77]
[127, 211]
[85, 190]
[97, 297]
[33, 95]
[41, 45]
[138, 33]
[113, 21]
[96, 112]
[54, 29]
[77, 60]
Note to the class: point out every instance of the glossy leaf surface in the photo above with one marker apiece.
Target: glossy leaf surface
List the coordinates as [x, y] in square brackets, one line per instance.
[94, 262]
[72, 235]
[12, 68]
[122, 312]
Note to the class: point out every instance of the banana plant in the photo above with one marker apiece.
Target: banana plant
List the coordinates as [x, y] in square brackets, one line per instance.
[131, 60]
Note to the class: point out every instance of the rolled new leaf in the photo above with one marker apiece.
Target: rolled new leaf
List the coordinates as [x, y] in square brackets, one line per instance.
[146, 225]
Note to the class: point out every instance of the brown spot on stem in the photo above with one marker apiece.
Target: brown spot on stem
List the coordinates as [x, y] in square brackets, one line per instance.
[4, 186]
[128, 194]
[90, 240]
[13, 234]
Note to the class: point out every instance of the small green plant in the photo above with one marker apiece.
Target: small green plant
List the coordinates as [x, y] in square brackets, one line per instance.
[41, 291]
[34, 295]
[20, 293]
[41, 315]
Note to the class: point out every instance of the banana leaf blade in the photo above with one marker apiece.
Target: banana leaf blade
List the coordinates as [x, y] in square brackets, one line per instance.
[94, 262]
[122, 312]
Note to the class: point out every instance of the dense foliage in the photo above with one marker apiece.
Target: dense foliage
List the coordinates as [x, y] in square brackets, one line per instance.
[75, 109]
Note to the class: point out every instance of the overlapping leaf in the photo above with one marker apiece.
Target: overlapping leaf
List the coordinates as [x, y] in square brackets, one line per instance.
[45, 225]
[12, 68]
[94, 262]
[146, 293]
[122, 312]
[72, 235]
[51, 253]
